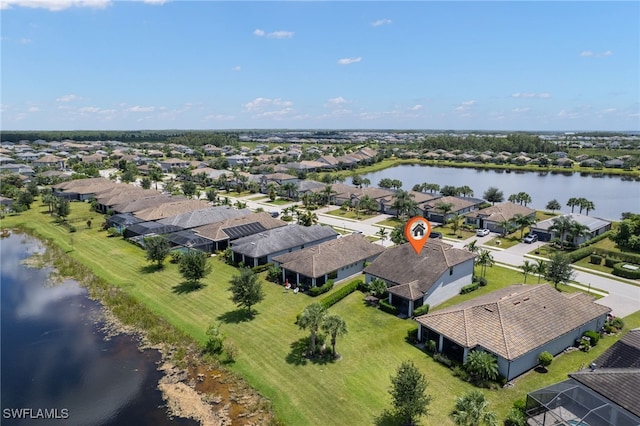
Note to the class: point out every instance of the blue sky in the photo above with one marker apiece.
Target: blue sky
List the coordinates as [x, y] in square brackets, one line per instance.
[71, 64]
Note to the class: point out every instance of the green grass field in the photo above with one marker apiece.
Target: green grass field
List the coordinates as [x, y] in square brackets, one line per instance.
[352, 390]
[350, 214]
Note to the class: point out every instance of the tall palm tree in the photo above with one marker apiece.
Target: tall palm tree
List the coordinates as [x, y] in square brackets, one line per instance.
[311, 319]
[561, 226]
[527, 268]
[573, 202]
[335, 326]
[455, 222]
[382, 233]
[445, 209]
[540, 268]
[482, 365]
[307, 218]
[505, 225]
[472, 246]
[522, 222]
[582, 202]
[577, 230]
[466, 191]
[484, 259]
[327, 192]
[289, 188]
[588, 206]
[403, 203]
[471, 409]
[368, 204]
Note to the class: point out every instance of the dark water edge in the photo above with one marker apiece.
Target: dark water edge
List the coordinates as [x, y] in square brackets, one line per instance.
[56, 356]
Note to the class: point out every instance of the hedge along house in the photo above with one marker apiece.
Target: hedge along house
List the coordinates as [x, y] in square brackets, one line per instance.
[331, 260]
[515, 324]
[596, 227]
[223, 233]
[261, 248]
[432, 276]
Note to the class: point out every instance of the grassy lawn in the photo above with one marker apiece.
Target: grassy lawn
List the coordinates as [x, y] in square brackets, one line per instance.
[446, 230]
[503, 242]
[280, 201]
[392, 221]
[353, 390]
[258, 197]
[544, 215]
[350, 214]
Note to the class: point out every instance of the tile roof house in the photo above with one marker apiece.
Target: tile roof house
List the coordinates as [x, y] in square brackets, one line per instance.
[604, 394]
[82, 189]
[596, 227]
[459, 205]
[170, 209]
[515, 324]
[432, 276]
[50, 161]
[223, 232]
[491, 217]
[194, 218]
[261, 248]
[331, 260]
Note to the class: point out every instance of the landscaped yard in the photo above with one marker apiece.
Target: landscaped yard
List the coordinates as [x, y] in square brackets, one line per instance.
[447, 231]
[258, 197]
[392, 221]
[280, 201]
[350, 214]
[503, 243]
[353, 390]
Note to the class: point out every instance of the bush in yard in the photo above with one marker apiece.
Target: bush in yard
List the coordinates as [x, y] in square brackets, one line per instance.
[515, 417]
[274, 274]
[482, 281]
[579, 254]
[215, 340]
[175, 256]
[617, 323]
[595, 259]
[593, 336]
[388, 307]
[624, 272]
[412, 336]
[469, 288]
[261, 268]
[459, 371]
[421, 310]
[339, 294]
[442, 359]
[545, 359]
[610, 261]
[431, 346]
[316, 291]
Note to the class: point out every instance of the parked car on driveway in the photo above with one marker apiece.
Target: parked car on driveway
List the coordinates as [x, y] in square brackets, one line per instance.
[482, 232]
[435, 235]
[531, 238]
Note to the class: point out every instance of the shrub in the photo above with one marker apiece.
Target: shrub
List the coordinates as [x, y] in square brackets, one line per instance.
[459, 371]
[362, 286]
[595, 259]
[593, 337]
[610, 261]
[261, 268]
[625, 273]
[421, 310]
[388, 307]
[175, 256]
[482, 281]
[617, 323]
[215, 341]
[469, 288]
[431, 346]
[515, 417]
[339, 294]
[113, 232]
[622, 257]
[579, 254]
[545, 359]
[520, 405]
[584, 344]
[442, 359]
[274, 273]
[316, 291]
[72, 228]
[412, 336]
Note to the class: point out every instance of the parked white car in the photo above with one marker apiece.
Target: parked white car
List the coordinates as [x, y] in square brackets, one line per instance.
[482, 232]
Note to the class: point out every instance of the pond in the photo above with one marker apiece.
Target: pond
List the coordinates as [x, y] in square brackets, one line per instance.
[55, 356]
[611, 195]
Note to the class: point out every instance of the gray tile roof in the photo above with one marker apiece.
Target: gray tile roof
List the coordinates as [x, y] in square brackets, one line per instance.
[413, 275]
[502, 211]
[218, 231]
[171, 209]
[625, 353]
[132, 206]
[619, 385]
[195, 218]
[280, 239]
[316, 261]
[593, 223]
[514, 320]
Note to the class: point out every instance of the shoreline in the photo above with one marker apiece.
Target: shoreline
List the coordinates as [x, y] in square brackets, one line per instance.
[191, 386]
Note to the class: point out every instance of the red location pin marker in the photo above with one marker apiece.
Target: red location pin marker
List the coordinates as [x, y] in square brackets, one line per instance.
[417, 231]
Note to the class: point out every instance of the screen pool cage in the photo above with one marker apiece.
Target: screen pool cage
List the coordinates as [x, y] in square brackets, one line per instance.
[571, 403]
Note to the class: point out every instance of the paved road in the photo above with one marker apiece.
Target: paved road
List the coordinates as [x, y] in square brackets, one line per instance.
[622, 298]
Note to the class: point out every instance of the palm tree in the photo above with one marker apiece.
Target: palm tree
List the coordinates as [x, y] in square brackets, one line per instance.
[553, 205]
[482, 365]
[577, 230]
[587, 205]
[368, 204]
[540, 269]
[527, 268]
[523, 221]
[455, 222]
[572, 202]
[445, 209]
[472, 246]
[466, 191]
[335, 326]
[524, 198]
[561, 226]
[366, 182]
[311, 319]
[289, 188]
[485, 259]
[471, 409]
[505, 225]
[432, 187]
[307, 218]
[382, 233]
[328, 192]
[403, 203]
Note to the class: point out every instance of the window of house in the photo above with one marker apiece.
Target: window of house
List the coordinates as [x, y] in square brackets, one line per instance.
[451, 270]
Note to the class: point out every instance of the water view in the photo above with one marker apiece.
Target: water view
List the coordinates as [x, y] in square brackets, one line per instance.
[56, 358]
[611, 195]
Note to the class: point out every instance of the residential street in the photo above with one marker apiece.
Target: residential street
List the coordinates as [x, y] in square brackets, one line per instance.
[622, 298]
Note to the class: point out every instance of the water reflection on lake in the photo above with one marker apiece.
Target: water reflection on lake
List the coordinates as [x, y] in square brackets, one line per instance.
[55, 357]
[611, 195]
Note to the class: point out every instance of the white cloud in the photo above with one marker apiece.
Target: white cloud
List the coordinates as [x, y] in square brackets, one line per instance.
[68, 98]
[543, 95]
[277, 114]
[589, 53]
[236, 68]
[335, 102]
[259, 104]
[155, 2]
[25, 40]
[54, 5]
[521, 109]
[275, 34]
[380, 22]
[347, 61]
[33, 109]
[465, 105]
[138, 108]
[89, 109]
[416, 107]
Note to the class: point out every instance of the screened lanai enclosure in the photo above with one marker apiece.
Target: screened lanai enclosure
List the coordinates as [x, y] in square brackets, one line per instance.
[187, 239]
[149, 228]
[570, 403]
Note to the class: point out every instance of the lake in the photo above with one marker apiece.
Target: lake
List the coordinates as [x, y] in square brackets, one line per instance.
[55, 356]
[610, 194]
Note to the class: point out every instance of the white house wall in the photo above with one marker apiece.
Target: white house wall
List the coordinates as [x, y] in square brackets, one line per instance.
[448, 286]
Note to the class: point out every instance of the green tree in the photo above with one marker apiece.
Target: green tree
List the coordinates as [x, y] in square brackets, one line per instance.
[493, 195]
[465, 191]
[194, 266]
[444, 208]
[157, 249]
[481, 365]
[145, 183]
[522, 222]
[311, 319]
[545, 359]
[561, 227]
[573, 202]
[307, 218]
[540, 269]
[212, 195]
[559, 270]
[382, 233]
[246, 289]
[377, 287]
[449, 191]
[408, 391]
[385, 183]
[397, 235]
[62, 208]
[472, 246]
[484, 259]
[527, 268]
[189, 188]
[553, 205]
[587, 205]
[454, 221]
[368, 204]
[155, 174]
[334, 326]
[471, 409]
[403, 203]
[25, 198]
